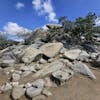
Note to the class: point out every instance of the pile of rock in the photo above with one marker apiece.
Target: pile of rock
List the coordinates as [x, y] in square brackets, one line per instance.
[47, 65]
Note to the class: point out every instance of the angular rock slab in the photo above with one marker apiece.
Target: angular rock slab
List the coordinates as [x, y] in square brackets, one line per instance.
[54, 66]
[72, 54]
[51, 49]
[31, 54]
[61, 76]
[83, 69]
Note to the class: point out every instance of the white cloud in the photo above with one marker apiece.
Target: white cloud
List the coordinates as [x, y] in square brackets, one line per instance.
[20, 5]
[16, 39]
[97, 21]
[45, 8]
[44, 27]
[15, 29]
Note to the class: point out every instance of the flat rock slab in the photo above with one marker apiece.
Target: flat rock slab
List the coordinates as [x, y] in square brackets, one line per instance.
[72, 54]
[83, 69]
[52, 67]
[30, 54]
[51, 49]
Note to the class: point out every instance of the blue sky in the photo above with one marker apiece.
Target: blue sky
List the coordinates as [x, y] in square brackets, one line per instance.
[30, 14]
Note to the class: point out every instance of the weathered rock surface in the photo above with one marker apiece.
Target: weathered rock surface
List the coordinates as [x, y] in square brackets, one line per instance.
[72, 54]
[51, 49]
[35, 89]
[31, 54]
[83, 69]
[15, 77]
[61, 76]
[17, 92]
[6, 87]
[54, 66]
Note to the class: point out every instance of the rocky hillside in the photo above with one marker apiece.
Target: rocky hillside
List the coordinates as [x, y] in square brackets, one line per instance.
[30, 70]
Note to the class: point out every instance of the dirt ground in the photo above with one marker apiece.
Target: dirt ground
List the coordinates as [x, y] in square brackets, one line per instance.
[77, 88]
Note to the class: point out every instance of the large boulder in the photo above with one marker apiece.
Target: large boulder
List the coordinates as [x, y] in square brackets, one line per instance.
[83, 69]
[72, 54]
[61, 76]
[31, 54]
[54, 66]
[51, 49]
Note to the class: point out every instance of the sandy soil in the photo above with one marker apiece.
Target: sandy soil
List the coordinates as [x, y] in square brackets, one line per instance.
[77, 88]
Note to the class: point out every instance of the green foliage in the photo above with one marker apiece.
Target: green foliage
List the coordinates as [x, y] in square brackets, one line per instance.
[80, 27]
[4, 42]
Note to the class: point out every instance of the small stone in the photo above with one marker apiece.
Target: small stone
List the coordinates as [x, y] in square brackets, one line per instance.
[17, 92]
[33, 91]
[28, 85]
[14, 84]
[50, 60]
[15, 77]
[6, 87]
[42, 61]
[38, 83]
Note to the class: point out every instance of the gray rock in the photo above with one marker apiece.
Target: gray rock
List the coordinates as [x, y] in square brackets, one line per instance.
[63, 50]
[83, 69]
[61, 76]
[17, 92]
[15, 77]
[31, 54]
[42, 61]
[28, 68]
[96, 62]
[51, 49]
[83, 56]
[7, 63]
[38, 83]
[66, 62]
[72, 54]
[33, 91]
[52, 67]
[6, 87]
